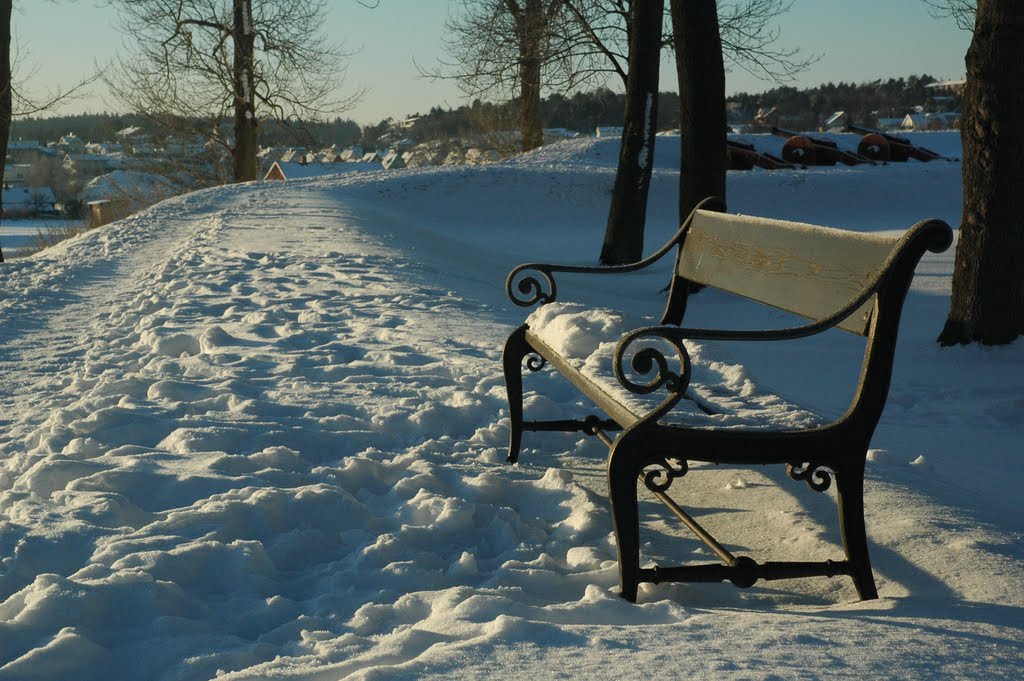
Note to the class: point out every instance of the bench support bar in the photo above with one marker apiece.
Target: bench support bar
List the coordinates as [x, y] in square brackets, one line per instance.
[744, 572]
[588, 425]
[696, 528]
[741, 571]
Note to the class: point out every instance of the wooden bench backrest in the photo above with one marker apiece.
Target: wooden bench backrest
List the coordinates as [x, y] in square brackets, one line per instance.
[805, 269]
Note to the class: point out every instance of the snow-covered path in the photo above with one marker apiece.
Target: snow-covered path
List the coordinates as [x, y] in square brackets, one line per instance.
[258, 431]
[122, 398]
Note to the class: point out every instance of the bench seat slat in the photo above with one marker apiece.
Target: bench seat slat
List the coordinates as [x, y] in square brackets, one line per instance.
[808, 270]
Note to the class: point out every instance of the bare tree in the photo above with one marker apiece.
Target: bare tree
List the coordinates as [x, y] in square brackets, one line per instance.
[962, 11]
[987, 304]
[514, 49]
[13, 100]
[747, 34]
[6, 89]
[702, 125]
[624, 231]
[195, 63]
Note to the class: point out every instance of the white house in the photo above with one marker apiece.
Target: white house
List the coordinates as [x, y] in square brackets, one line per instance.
[25, 201]
[135, 189]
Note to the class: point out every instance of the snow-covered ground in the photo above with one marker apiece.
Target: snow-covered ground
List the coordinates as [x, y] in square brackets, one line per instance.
[258, 432]
[20, 233]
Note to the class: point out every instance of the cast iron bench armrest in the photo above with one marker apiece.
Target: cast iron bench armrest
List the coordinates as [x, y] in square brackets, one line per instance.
[526, 290]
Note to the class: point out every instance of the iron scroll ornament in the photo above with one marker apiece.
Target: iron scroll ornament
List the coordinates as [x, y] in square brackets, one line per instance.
[535, 362]
[650, 361]
[659, 475]
[814, 474]
[530, 284]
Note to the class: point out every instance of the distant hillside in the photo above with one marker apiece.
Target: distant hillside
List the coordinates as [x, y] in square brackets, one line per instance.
[582, 112]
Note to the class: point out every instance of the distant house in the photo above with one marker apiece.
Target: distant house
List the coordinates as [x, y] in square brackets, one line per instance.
[91, 165]
[104, 148]
[352, 153]
[131, 190]
[71, 143]
[328, 155]
[371, 157]
[28, 151]
[393, 161]
[889, 123]
[930, 121]
[16, 174]
[290, 156]
[283, 170]
[27, 201]
[837, 122]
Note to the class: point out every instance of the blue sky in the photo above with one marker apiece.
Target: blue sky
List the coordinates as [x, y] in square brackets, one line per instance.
[59, 43]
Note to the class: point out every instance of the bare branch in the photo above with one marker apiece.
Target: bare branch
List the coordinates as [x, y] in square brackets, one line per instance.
[961, 11]
[185, 63]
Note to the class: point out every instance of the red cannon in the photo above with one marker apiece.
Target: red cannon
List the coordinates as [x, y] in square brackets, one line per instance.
[743, 156]
[883, 147]
[803, 149]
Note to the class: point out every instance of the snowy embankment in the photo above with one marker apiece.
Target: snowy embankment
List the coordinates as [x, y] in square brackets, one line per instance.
[257, 432]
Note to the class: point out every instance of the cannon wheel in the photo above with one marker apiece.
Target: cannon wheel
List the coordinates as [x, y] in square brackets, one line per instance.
[799, 150]
[875, 147]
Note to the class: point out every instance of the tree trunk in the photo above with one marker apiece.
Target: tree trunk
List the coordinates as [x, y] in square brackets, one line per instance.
[531, 25]
[244, 153]
[624, 233]
[987, 305]
[6, 106]
[702, 122]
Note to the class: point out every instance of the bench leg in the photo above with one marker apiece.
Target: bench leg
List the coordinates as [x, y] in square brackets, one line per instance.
[850, 488]
[622, 474]
[516, 349]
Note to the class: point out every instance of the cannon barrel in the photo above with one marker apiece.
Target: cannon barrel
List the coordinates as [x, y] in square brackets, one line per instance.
[743, 156]
[782, 132]
[871, 131]
[805, 149]
[901, 146]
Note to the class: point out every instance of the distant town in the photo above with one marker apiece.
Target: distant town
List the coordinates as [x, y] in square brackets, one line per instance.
[99, 173]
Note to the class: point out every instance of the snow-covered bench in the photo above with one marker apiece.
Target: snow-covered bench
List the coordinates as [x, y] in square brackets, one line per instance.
[639, 379]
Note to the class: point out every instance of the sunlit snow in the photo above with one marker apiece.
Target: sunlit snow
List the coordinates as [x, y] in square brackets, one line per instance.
[258, 432]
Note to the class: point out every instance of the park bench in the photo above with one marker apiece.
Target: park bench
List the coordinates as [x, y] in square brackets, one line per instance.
[834, 278]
